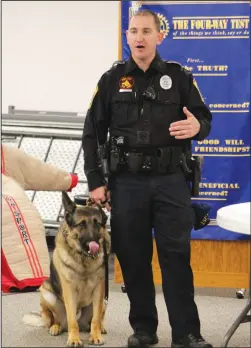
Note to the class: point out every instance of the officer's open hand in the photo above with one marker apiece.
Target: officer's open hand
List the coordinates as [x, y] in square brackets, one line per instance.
[186, 128]
[101, 196]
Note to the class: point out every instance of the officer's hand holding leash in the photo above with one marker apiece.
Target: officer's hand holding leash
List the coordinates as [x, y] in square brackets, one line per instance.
[186, 128]
[101, 196]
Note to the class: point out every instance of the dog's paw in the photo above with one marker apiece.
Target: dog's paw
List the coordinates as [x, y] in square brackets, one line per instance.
[55, 330]
[96, 340]
[74, 342]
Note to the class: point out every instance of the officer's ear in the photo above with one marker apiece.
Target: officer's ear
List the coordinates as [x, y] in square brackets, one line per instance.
[127, 35]
[160, 38]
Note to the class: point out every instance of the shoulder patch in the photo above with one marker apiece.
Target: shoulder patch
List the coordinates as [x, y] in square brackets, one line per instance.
[93, 96]
[197, 87]
[118, 62]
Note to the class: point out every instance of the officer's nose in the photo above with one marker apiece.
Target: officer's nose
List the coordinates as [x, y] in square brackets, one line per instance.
[139, 38]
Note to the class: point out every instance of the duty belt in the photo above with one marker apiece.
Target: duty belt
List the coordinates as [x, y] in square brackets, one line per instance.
[160, 160]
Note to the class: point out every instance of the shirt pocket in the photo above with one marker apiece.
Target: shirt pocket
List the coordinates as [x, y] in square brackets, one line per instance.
[168, 108]
[124, 109]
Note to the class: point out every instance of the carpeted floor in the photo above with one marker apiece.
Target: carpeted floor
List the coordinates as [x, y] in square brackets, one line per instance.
[216, 313]
[218, 308]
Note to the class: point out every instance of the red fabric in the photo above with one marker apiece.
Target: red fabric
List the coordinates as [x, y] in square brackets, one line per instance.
[10, 281]
[27, 242]
[74, 181]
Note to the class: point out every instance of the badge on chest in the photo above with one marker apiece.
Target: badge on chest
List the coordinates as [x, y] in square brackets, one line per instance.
[165, 82]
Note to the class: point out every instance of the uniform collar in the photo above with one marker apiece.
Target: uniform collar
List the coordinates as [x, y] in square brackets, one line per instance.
[157, 64]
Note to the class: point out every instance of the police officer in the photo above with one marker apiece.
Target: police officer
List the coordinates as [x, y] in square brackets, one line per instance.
[151, 110]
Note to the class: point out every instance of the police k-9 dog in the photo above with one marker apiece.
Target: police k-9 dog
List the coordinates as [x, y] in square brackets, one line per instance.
[72, 298]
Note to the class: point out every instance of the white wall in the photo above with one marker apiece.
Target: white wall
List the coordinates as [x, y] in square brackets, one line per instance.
[54, 52]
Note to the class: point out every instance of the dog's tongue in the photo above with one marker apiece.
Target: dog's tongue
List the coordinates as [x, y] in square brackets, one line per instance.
[93, 247]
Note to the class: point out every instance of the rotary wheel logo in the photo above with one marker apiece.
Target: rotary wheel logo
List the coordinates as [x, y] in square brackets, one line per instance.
[134, 8]
[136, 4]
[164, 25]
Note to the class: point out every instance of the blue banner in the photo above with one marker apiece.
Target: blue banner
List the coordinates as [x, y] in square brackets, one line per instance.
[212, 40]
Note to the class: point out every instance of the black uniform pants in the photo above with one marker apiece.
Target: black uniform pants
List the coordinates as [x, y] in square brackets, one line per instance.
[140, 203]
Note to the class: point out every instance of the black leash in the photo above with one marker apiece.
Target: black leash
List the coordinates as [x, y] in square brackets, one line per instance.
[106, 273]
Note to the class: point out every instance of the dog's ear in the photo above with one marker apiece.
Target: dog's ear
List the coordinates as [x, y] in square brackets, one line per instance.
[103, 214]
[68, 204]
[104, 217]
[69, 207]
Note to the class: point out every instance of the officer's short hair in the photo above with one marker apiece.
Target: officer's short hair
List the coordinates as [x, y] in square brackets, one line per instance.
[147, 12]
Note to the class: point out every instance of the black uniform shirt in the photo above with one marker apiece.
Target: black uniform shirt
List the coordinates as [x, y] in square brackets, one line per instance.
[118, 107]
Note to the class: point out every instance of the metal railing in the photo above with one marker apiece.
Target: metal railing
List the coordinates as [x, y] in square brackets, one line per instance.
[55, 138]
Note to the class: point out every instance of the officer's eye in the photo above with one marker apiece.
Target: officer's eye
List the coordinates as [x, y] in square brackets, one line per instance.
[147, 31]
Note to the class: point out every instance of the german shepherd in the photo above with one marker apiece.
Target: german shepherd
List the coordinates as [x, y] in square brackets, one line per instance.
[72, 298]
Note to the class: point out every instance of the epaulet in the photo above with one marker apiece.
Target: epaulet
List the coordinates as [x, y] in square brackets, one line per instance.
[118, 62]
[173, 62]
[182, 68]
